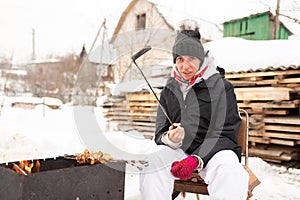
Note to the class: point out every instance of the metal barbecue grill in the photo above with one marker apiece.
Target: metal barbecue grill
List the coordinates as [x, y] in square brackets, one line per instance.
[61, 179]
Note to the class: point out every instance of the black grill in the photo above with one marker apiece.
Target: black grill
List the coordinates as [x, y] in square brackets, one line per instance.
[64, 179]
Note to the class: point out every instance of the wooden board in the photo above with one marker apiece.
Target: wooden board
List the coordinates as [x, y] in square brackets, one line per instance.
[259, 140]
[295, 129]
[282, 135]
[268, 73]
[261, 105]
[283, 142]
[290, 80]
[282, 120]
[269, 154]
[263, 93]
[141, 97]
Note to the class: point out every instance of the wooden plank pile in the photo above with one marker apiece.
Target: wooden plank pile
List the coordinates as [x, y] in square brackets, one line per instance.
[116, 111]
[132, 111]
[272, 99]
[143, 108]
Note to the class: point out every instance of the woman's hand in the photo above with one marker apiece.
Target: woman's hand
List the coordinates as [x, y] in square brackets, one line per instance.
[176, 133]
[184, 169]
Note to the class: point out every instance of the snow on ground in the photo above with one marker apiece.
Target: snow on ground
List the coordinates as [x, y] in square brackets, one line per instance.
[44, 133]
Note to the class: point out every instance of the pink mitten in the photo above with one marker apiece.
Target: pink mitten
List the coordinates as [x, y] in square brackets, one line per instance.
[183, 169]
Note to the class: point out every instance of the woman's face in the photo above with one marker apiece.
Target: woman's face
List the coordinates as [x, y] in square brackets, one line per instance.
[187, 66]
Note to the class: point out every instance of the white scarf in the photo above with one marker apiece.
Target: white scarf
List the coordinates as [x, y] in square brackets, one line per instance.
[202, 74]
[189, 83]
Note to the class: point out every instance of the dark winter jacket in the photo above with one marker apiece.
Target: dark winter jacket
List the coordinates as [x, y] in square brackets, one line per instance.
[209, 115]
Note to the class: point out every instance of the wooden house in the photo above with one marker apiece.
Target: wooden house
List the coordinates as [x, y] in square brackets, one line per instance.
[103, 59]
[47, 73]
[255, 27]
[140, 25]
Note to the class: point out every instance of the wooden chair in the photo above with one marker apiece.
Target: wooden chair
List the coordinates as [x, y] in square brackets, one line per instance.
[197, 185]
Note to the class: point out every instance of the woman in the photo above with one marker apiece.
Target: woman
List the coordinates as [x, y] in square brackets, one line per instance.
[204, 137]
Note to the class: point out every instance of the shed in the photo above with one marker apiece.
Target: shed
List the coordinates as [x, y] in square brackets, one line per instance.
[258, 26]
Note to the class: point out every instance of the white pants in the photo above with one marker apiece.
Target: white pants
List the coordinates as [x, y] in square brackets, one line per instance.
[225, 176]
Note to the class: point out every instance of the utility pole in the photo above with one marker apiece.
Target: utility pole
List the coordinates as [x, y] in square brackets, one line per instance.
[33, 45]
[276, 21]
[104, 32]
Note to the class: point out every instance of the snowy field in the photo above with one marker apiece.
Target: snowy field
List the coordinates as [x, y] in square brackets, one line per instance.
[45, 133]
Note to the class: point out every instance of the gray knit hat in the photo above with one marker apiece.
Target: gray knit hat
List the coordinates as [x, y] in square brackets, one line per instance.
[187, 43]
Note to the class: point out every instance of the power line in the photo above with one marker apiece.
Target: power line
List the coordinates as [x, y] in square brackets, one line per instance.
[291, 18]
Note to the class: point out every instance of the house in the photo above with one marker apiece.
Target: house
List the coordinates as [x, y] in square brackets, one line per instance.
[141, 25]
[255, 27]
[46, 76]
[103, 57]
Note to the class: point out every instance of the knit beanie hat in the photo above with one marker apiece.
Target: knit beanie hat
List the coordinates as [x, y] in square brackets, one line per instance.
[187, 43]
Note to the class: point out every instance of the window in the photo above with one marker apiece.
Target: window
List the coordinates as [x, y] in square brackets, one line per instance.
[141, 21]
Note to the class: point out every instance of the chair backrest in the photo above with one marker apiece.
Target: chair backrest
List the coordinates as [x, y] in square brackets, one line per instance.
[243, 134]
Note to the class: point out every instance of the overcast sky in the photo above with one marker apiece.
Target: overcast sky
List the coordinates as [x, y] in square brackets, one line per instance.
[63, 26]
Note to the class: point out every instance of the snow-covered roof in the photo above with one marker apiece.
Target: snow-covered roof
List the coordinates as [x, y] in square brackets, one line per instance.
[37, 100]
[18, 72]
[137, 85]
[43, 61]
[104, 54]
[237, 54]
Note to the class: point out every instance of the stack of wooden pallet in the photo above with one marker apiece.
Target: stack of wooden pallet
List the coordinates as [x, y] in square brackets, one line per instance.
[116, 111]
[133, 111]
[272, 100]
[142, 109]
